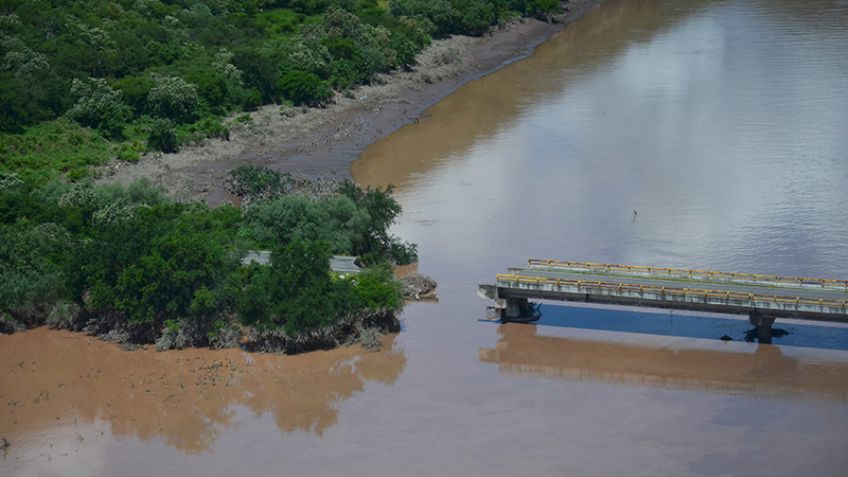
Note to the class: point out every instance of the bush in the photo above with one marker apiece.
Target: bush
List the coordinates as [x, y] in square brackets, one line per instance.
[381, 209]
[303, 294]
[32, 275]
[475, 16]
[254, 182]
[163, 136]
[209, 127]
[173, 98]
[154, 262]
[251, 99]
[64, 316]
[441, 13]
[377, 290]
[134, 90]
[99, 106]
[539, 8]
[260, 71]
[16, 107]
[304, 88]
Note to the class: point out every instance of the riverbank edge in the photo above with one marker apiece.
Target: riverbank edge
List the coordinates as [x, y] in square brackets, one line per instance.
[324, 142]
[364, 328]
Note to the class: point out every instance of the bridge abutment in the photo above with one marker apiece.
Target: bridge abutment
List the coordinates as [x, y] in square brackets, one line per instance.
[763, 324]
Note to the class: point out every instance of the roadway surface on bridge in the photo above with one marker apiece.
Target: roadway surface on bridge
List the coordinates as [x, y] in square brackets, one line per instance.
[782, 291]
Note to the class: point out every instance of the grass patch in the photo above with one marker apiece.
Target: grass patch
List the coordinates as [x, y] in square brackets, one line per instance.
[59, 147]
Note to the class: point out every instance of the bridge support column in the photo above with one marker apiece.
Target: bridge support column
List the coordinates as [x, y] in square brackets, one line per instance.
[763, 324]
[517, 309]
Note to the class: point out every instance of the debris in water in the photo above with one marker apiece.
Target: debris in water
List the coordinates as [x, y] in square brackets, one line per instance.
[418, 287]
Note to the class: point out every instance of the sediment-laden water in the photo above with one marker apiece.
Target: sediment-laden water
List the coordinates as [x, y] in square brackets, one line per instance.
[721, 122]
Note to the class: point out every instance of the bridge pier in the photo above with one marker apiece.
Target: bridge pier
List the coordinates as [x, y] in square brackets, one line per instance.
[763, 324]
[517, 309]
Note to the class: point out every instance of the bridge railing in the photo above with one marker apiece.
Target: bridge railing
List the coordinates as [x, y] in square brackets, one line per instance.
[707, 275]
[671, 292]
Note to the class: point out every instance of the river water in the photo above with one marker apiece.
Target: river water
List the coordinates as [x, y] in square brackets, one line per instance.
[722, 123]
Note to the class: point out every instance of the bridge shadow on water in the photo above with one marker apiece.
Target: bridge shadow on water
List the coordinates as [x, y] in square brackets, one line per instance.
[689, 325]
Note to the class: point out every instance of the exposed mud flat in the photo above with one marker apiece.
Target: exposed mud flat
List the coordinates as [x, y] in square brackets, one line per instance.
[324, 142]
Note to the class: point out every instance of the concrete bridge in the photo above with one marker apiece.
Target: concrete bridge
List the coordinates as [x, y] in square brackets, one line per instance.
[762, 297]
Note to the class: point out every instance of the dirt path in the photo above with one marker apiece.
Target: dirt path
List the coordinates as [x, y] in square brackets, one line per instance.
[325, 141]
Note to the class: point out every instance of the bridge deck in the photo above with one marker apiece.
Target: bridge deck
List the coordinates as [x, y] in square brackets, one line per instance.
[744, 288]
[756, 295]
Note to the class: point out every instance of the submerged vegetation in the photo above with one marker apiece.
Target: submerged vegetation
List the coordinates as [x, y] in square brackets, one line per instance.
[84, 82]
[131, 264]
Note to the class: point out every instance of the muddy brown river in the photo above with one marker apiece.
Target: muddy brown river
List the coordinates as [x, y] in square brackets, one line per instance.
[723, 123]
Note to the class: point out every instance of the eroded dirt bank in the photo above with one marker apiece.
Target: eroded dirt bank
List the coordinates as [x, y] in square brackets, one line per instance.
[323, 142]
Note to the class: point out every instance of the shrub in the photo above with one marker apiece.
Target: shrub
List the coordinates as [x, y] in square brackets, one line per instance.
[475, 16]
[251, 99]
[307, 53]
[134, 90]
[31, 269]
[16, 108]
[173, 98]
[302, 292]
[163, 136]
[260, 71]
[539, 8]
[99, 106]
[304, 88]
[381, 209]
[64, 316]
[377, 290]
[255, 182]
[441, 13]
[209, 127]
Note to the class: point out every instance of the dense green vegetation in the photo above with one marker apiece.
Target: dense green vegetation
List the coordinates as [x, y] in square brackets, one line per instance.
[81, 82]
[84, 82]
[133, 261]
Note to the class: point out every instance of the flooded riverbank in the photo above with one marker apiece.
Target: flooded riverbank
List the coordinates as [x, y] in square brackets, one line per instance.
[721, 122]
[66, 395]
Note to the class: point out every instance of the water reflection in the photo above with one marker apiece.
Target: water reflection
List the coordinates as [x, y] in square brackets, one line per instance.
[53, 379]
[718, 121]
[688, 324]
[481, 110]
[737, 368]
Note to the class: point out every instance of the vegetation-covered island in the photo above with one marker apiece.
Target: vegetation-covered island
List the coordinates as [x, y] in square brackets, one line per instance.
[82, 83]
[132, 265]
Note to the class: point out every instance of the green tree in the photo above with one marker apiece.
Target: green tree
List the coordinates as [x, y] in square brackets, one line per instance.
[163, 136]
[134, 90]
[303, 87]
[99, 106]
[377, 290]
[302, 290]
[32, 279]
[174, 98]
[259, 70]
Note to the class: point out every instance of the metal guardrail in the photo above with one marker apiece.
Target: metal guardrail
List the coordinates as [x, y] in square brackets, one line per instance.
[692, 274]
[671, 291]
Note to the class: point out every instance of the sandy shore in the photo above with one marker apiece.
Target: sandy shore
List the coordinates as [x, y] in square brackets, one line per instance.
[325, 141]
